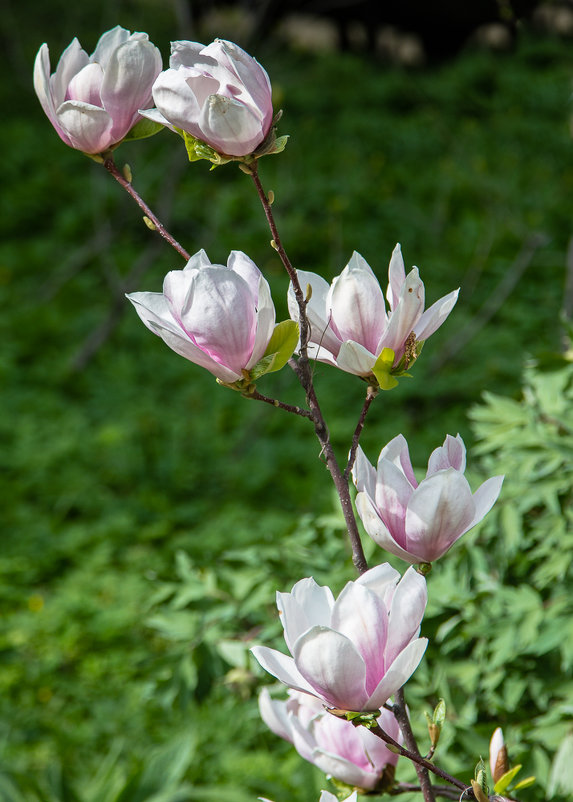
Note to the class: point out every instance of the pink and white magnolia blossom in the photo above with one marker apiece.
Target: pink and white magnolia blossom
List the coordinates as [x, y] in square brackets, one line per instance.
[93, 101]
[355, 652]
[218, 317]
[419, 522]
[217, 93]
[353, 755]
[350, 325]
[326, 796]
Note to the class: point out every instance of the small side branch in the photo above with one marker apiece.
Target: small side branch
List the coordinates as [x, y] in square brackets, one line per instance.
[401, 714]
[111, 167]
[274, 402]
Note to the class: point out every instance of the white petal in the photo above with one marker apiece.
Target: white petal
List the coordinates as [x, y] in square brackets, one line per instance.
[176, 101]
[344, 770]
[485, 497]
[274, 714]
[397, 452]
[399, 672]
[306, 606]
[230, 126]
[362, 617]
[433, 317]
[108, 44]
[381, 580]
[354, 358]
[316, 310]
[265, 322]
[378, 531]
[88, 127]
[406, 613]
[332, 665]
[357, 304]
[393, 493]
[364, 473]
[282, 667]
[451, 455]
[72, 60]
[440, 510]
[405, 314]
[396, 277]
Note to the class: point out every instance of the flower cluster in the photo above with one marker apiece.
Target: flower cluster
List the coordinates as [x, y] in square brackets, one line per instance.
[419, 522]
[352, 755]
[356, 652]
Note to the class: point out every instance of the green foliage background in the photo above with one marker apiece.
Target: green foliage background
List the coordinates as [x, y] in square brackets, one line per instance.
[149, 515]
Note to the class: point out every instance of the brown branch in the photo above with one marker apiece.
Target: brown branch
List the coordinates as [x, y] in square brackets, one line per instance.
[409, 788]
[256, 396]
[111, 167]
[401, 715]
[303, 370]
[418, 760]
[371, 394]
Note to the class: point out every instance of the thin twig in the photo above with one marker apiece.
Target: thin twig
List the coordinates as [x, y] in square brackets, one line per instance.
[256, 396]
[111, 167]
[401, 715]
[417, 759]
[409, 788]
[371, 394]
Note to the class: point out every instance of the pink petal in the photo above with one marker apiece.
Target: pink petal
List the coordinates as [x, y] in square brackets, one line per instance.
[393, 493]
[88, 127]
[485, 497]
[440, 510]
[406, 613]
[357, 305]
[282, 667]
[274, 714]
[405, 314]
[433, 317]
[378, 530]
[451, 455]
[396, 277]
[362, 616]
[397, 451]
[364, 474]
[354, 358]
[399, 673]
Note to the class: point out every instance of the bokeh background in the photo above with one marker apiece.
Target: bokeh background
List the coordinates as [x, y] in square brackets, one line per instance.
[149, 515]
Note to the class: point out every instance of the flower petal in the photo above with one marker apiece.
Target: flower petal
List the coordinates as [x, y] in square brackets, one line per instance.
[396, 277]
[230, 126]
[282, 667]
[406, 613]
[433, 317]
[485, 497]
[274, 714]
[398, 673]
[404, 316]
[364, 473]
[88, 127]
[378, 531]
[306, 606]
[439, 511]
[357, 304]
[354, 358]
[451, 455]
[331, 664]
[393, 493]
[397, 451]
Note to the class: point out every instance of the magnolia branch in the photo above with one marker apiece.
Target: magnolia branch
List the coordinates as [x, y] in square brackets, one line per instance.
[401, 714]
[256, 396]
[111, 167]
[303, 372]
[371, 394]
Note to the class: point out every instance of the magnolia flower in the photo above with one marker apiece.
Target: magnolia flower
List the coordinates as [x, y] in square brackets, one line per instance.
[221, 318]
[93, 101]
[419, 522]
[218, 94]
[355, 652]
[326, 796]
[498, 759]
[350, 327]
[353, 755]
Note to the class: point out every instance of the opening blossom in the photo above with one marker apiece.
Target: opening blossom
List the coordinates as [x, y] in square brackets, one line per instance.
[353, 755]
[351, 328]
[355, 652]
[419, 522]
[93, 101]
[498, 759]
[221, 318]
[217, 93]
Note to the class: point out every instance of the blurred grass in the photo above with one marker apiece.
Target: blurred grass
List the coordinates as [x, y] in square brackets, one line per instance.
[108, 471]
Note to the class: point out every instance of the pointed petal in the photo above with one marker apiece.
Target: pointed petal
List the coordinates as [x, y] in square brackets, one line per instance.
[485, 497]
[397, 451]
[265, 322]
[282, 667]
[108, 44]
[439, 511]
[406, 613]
[344, 770]
[381, 580]
[176, 101]
[404, 316]
[306, 606]
[396, 277]
[357, 304]
[399, 673]
[433, 317]
[44, 91]
[451, 455]
[364, 473]
[362, 617]
[72, 60]
[331, 664]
